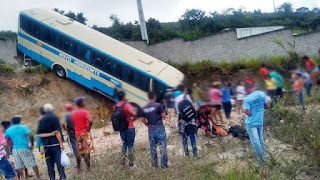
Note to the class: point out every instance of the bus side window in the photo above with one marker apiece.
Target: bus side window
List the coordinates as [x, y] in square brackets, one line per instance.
[80, 51]
[25, 24]
[145, 83]
[159, 89]
[130, 78]
[98, 60]
[88, 56]
[35, 30]
[114, 67]
[108, 65]
[73, 48]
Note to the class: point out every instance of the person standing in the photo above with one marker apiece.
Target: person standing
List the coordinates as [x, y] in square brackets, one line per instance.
[187, 128]
[6, 168]
[270, 86]
[169, 104]
[196, 92]
[279, 83]
[152, 117]
[128, 135]
[241, 94]
[22, 152]
[313, 70]
[263, 71]
[298, 88]
[49, 131]
[216, 101]
[307, 82]
[254, 105]
[226, 99]
[68, 126]
[82, 121]
[178, 91]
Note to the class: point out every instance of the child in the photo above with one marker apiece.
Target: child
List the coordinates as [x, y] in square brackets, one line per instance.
[226, 103]
[298, 88]
[241, 94]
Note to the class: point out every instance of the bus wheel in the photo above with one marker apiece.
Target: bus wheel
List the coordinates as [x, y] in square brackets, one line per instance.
[59, 70]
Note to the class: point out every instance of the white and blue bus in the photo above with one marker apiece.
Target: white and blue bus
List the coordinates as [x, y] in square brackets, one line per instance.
[91, 58]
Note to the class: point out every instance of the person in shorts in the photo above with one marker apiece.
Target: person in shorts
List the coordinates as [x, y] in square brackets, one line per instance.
[6, 168]
[68, 126]
[216, 100]
[82, 125]
[152, 118]
[22, 152]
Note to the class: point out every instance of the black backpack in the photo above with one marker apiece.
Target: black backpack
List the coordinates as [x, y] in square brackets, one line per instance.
[186, 110]
[119, 119]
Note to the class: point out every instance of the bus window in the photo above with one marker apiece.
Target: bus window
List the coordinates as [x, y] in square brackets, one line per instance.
[108, 65]
[98, 60]
[145, 83]
[25, 24]
[80, 51]
[35, 30]
[72, 48]
[114, 67]
[88, 57]
[130, 78]
[159, 89]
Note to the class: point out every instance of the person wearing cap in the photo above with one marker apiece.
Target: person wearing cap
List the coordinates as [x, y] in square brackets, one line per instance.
[82, 124]
[68, 126]
[298, 88]
[127, 136]
[49, 130]
[216, 100]
[168, 100]
[22, 151]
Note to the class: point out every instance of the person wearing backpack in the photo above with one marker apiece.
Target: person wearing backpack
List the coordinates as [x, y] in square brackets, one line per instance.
[126, 128]
[152, 117]
[187, 122]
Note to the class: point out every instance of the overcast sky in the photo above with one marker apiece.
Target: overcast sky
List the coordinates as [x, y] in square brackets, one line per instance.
[98, 11]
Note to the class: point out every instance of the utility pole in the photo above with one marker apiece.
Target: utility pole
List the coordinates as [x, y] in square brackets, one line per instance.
[143, 27]
[274, 6]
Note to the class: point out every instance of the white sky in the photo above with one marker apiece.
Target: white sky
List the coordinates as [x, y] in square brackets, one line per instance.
[98, 11]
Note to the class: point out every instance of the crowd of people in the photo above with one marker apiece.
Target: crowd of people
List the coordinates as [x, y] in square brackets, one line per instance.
[184, 108]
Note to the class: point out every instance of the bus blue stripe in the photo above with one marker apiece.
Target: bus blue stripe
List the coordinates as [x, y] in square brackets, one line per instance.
[97, 50]
[85, 82]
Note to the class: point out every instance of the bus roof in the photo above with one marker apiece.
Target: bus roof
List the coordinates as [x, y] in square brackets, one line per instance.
[106, 44]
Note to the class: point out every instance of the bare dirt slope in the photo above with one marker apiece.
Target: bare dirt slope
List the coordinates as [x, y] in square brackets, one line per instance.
[23, 94]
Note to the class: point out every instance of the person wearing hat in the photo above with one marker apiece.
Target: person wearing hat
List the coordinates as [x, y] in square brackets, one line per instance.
[22, 151]
[49, 131]
[168, 101]
[68, 126]
[216, 100]
[82, 124]
[298, 88]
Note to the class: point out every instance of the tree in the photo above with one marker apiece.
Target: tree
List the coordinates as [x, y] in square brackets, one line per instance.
[115, 20]
[193, 14]
[303, 10]
[286, 8]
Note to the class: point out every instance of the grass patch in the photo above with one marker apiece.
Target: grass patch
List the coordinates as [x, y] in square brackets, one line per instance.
[38, 69]
[203, 69]
[6, 68]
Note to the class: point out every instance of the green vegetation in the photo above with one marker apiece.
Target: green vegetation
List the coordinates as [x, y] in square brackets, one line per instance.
[8, 35]
[6, 68]
[196, 23]
[203, 69]
[40, 69]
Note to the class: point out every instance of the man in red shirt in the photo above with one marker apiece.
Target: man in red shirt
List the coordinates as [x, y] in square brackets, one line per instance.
[128, 135]
[82, 124]
[263, 71]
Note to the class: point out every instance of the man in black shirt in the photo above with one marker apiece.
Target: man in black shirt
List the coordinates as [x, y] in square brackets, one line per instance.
[51, 138]
[152, 117]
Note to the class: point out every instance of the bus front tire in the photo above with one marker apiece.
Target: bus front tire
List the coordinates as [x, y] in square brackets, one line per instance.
[60, 72]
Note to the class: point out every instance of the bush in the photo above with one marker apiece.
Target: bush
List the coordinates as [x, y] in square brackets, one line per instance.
[40, 69]
[6, 68]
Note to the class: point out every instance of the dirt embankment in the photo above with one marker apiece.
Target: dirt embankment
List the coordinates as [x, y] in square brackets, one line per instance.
[23, 94]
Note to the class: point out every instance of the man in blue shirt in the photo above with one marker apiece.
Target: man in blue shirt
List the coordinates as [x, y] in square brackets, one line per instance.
[279, 83]
[254, 105]
[22, 152]
[226, 103]
[152, 117]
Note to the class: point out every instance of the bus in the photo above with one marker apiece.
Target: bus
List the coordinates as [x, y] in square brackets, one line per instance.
[92, 59]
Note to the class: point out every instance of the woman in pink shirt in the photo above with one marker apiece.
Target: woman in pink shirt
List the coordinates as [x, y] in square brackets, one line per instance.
[216, 101]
